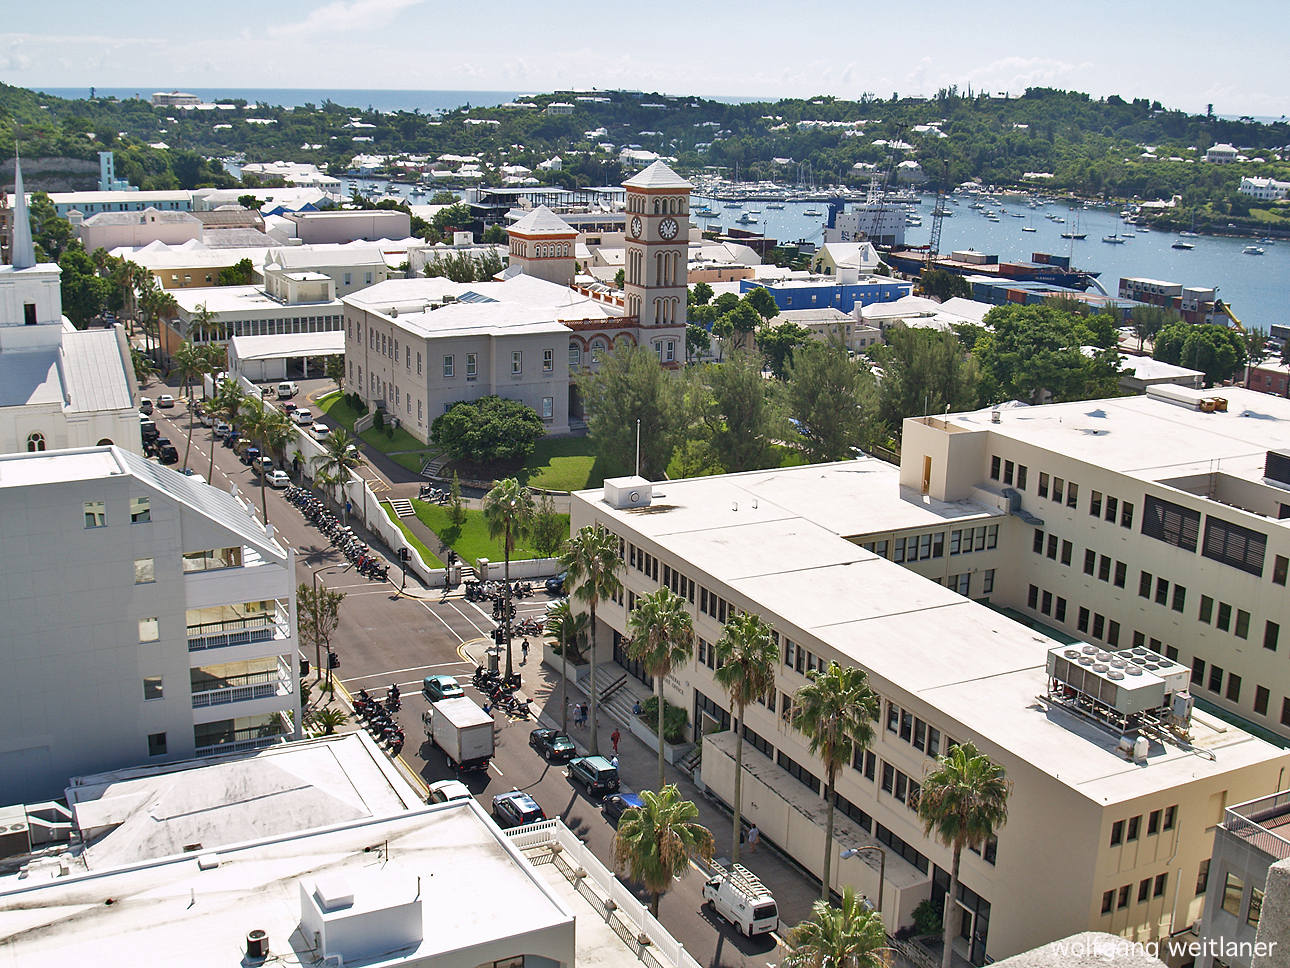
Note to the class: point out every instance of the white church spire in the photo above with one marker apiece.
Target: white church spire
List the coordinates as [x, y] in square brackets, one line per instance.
[24, 253]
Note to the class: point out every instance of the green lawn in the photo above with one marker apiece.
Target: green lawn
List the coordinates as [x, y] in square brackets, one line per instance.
[395, 444]
[429, 557]
[563, 464]
[471, 540]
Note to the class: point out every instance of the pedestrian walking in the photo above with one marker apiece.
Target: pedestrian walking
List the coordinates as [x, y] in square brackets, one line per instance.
[754, 835]
[524, 650]
[615, 736]
[584, 715]
[614, 762]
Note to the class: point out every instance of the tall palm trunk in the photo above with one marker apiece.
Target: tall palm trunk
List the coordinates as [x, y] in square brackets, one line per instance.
[506, 608]
[951, 907]
[832, 794]
[564, 676]
[593, 744]
[739, 779]
[662, 709]
[189, 446]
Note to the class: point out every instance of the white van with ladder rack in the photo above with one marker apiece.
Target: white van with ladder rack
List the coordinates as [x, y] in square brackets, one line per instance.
[739, 897]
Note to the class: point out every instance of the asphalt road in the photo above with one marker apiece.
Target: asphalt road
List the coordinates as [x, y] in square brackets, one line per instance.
[385, 637]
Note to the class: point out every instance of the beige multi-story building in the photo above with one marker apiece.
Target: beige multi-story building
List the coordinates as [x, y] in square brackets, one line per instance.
[1101, 835]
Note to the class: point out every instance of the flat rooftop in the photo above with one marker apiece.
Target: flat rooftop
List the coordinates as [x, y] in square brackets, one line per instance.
[234, 301]
[1150, 439]
[171, 911]
[764, 534]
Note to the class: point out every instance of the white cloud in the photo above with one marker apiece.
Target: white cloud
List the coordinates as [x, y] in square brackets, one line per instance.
[339, 18]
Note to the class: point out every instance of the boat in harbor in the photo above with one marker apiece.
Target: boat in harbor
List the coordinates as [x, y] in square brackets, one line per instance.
[813, 212]
[1182, 244]
[1113, 239]
[1075, 233]
[1267, 241]
[734, 205]
[1252, 250]
[747, 218]
[774, 205]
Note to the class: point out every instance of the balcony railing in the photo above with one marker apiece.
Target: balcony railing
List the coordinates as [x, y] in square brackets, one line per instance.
[238, 631]
[241, 740]
[254, 685]
[1255, 821]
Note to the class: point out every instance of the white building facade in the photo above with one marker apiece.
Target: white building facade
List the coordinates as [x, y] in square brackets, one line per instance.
[148, 618]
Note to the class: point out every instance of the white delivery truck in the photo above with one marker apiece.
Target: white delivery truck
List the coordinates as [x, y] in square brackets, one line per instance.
[739, 897]
[462, 730]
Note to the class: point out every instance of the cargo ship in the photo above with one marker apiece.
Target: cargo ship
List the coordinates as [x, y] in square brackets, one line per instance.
[1054, 270]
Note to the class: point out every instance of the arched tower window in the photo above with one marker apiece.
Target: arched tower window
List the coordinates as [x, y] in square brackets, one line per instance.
[35, 443]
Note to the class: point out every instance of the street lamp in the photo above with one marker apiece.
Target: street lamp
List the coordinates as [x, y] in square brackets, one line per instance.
[882, 867]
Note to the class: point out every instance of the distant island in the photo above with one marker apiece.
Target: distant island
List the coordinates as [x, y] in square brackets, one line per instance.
[1042, 141]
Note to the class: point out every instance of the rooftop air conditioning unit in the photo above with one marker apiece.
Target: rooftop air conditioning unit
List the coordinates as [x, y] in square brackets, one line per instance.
[628, 492]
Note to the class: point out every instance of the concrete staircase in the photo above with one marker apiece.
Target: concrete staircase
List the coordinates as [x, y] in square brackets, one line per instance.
[619, 704]
[402, 507]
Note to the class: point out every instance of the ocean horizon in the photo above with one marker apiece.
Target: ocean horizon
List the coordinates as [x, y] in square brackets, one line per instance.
[427, 102]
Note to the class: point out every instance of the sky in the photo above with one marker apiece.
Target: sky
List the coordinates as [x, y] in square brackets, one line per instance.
[1187, 54]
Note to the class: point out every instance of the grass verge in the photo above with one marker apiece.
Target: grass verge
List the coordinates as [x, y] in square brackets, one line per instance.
[471, 539]
[390, 442]
[429, 557]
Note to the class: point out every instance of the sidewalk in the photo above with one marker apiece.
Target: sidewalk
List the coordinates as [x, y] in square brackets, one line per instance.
[638, 770]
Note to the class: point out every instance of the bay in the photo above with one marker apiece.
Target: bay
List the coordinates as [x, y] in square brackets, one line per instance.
[427, 102]
[1255, 286]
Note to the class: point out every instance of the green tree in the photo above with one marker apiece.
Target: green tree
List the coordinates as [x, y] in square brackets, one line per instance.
[1212, 348]
[329, 719]
[924, 371]
[189, 364]
[509, 513]
[317, 619]
[272, 430]
[944, 285]
[657, 842]
[747, 655]
[964, 801]
[760, 299]
[591, 563]
[143, 368]
[568, 629]
[697, 341]
[488, 430]
[49, 231]
[228, 402]
[83, 292]
[836, 711]
[630, 386]
[777, 344]
[833, 399]
[700, 294]
[620, 277]
[456, 508]
[338, 461]
[742, 417]
[724, 329]
[249, 201]
[550, 528]
[847, 936]
[205, 324]
[661, 636]
[743, 320]
[241, 273]
[725, 303]
[1037, 351]
[334, 368]
[495, 235]
[1148, 320]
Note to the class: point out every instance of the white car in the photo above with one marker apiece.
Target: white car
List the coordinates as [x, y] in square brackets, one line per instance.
[302, 417]
[222, 429]
[165, 401]
[277, 479]
[446, 790]
[320, 431]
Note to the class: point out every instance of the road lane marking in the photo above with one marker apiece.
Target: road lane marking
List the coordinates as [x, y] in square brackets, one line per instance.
[396, 672]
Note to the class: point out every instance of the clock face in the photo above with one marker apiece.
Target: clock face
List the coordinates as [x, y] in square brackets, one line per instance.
[636, 227]
[668, 228]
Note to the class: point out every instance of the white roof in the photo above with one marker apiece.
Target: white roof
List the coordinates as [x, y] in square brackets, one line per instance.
[287, 345]
[84, 374]
[158, 256]
[905, 306]
[135, 815]
[542, 221]
[243, 301]
[91, 463]
[657, 175]
[1145, 368]
[861, 255]
[774, 539]
[967, 309]
[308, 256]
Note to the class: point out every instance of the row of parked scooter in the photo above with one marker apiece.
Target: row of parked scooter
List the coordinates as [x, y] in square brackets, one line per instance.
[436, 495]
[499, 692]
[495, 591]
[378, 717]
[341, 535]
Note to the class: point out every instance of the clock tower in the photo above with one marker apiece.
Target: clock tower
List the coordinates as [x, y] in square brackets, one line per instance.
[656, 263]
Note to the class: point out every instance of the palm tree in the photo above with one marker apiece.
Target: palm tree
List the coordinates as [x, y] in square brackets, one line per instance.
[329, 718]
[338, 461]
[229, 398]
[746, 658]
[836, 710]
[205, 322]
[216, 357]
[568, 628]
[964, 801]
[508, 511]
[661, 636]
[847, 936]
[143, 367]
[189, 363]
[272, 430]
[591, 562]
[657, 841]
